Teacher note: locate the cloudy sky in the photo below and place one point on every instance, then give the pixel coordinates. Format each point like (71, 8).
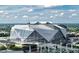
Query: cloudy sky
(35, 13)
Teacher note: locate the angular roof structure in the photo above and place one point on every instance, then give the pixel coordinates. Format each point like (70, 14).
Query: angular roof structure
(46, 31)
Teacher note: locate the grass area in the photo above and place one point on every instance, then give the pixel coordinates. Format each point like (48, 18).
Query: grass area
(2, 47)
(11, 47)
(76, 46)
(74, 29)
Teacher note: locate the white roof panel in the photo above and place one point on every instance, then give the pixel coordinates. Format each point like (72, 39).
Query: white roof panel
(23, 31)
(40, 27)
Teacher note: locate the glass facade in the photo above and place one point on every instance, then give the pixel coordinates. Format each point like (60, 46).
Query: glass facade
(58, 38)
(36, 37)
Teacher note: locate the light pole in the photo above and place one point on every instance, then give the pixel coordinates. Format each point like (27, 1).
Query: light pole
(60, 46)
(72, 43)
(67, 48)
(26, 18)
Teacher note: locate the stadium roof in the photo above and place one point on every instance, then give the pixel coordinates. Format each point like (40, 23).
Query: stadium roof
(23, 31)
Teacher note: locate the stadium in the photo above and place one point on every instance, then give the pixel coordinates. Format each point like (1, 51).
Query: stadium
(34, 34)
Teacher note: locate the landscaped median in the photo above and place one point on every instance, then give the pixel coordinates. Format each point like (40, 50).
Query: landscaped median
(2, 47)
(14, 47)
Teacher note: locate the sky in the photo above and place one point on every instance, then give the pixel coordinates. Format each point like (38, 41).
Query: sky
(39, 13)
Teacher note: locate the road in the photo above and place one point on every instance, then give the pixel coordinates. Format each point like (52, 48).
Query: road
(10, 51)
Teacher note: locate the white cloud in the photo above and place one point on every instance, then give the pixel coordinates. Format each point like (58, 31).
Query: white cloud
(56, 14)
(35, 17)
(72, 10)
(25, 16)
(15, 16)
(41, 14)
(47, 5)
(50, 5)
(1, 11)
(74, 14)
(53, 11)
(30, 10)
(51, 16)
(5, 13)
(8, 16)
(61, 14)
